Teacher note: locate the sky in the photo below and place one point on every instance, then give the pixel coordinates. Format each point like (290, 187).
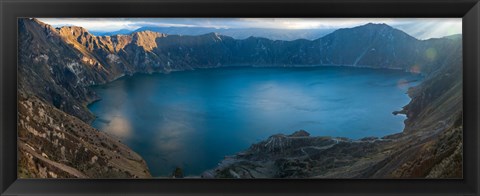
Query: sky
(421, 28)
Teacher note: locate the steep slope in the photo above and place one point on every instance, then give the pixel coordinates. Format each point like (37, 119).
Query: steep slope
(370, 45)
(56, 145)
(55, 70)
(435, 115)
(53, 73)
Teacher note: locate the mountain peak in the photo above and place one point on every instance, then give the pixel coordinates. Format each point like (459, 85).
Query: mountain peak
(148, 33)
(215, 34)
(76, 31)
(146, 39)
(377, 24)
(374, 27)
(38, 21)
(371, 29)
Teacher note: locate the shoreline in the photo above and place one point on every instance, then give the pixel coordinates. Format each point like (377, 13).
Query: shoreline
(126, 76)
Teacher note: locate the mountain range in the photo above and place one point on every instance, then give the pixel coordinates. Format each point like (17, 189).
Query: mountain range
(58, 65)
(236, 33)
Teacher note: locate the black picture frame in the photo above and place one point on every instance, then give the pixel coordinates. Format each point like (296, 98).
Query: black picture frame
(469, 10)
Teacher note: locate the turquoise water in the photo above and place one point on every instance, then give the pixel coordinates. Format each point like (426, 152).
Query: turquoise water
(192, 119)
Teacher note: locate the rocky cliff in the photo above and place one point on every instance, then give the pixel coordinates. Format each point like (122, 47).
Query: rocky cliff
(53, 144)
(57, 66)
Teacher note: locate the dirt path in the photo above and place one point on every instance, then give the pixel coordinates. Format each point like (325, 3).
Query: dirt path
(62, 167)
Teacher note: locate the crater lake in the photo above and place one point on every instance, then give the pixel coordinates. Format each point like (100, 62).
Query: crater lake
(193, 119)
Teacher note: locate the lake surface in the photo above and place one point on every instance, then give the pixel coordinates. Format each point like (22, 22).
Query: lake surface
(192, 119)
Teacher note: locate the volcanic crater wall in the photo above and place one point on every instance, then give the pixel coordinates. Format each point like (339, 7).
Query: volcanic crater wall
(58, 65)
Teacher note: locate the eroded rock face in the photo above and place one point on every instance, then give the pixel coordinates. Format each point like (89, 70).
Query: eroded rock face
(53, 144)
(424, 155)
(295, 156)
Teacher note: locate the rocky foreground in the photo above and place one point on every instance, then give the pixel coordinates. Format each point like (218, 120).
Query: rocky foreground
(301, 156)
(52, 144)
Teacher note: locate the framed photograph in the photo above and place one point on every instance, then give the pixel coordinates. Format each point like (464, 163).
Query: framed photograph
(239, 98)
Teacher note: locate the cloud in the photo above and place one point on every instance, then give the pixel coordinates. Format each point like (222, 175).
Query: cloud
(422, 28)
(93, 24)
(431, 28)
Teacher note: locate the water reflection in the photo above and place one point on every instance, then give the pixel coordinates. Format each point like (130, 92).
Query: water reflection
(193, 119)
(119, 126)
(171, 135)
